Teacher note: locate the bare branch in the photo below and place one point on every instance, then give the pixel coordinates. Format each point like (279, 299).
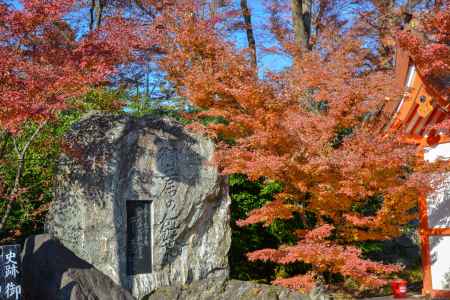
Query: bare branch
(21, 161)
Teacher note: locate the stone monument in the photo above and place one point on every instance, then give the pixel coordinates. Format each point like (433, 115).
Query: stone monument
(140, 200)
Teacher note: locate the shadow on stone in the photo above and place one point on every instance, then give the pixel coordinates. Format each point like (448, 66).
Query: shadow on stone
(51, 271)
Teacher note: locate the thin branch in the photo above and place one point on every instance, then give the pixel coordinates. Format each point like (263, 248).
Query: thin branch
(143, 9)
(100, 8)
(21, 160)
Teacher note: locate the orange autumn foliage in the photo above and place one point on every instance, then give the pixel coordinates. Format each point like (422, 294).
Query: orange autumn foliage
(324, 255)
(428, 44)
(288, 127)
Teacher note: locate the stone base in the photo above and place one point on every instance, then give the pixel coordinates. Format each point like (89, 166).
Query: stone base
(223, 289)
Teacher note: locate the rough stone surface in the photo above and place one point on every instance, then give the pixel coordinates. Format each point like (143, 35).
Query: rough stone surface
(114, 159)
(51, 271)
(223, 289)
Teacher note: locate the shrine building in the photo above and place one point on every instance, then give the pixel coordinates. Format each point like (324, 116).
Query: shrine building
(426, 102)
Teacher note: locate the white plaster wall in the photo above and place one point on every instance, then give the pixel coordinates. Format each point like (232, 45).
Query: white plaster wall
(438, 205)
(440, 151)
(438, 201)
(440, 262)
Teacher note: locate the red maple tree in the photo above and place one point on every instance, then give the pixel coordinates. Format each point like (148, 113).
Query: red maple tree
(45, 65)
(317, 128)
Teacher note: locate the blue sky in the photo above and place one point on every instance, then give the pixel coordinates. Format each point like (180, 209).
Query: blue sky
(266, 62)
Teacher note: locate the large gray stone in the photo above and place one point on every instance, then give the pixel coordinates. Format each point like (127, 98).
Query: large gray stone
(51, 271)
(223, 289)
(114, 159)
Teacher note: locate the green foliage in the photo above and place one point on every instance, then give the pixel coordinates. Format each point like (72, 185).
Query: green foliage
(213, 120)
(103, 99)
(28, 212)
(162, 112)
(341, 134)
(371, 247)
(369, 206)
(247, 195)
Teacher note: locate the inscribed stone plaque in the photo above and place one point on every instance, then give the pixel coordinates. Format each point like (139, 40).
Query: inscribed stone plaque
(10, 276)
(139, 251)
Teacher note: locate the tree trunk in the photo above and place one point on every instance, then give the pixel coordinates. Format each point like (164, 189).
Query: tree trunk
(100, 7)
(301, 18)
(307, 17)
(249, 30)
(96, 14)
(21, 154)
(92, 15)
